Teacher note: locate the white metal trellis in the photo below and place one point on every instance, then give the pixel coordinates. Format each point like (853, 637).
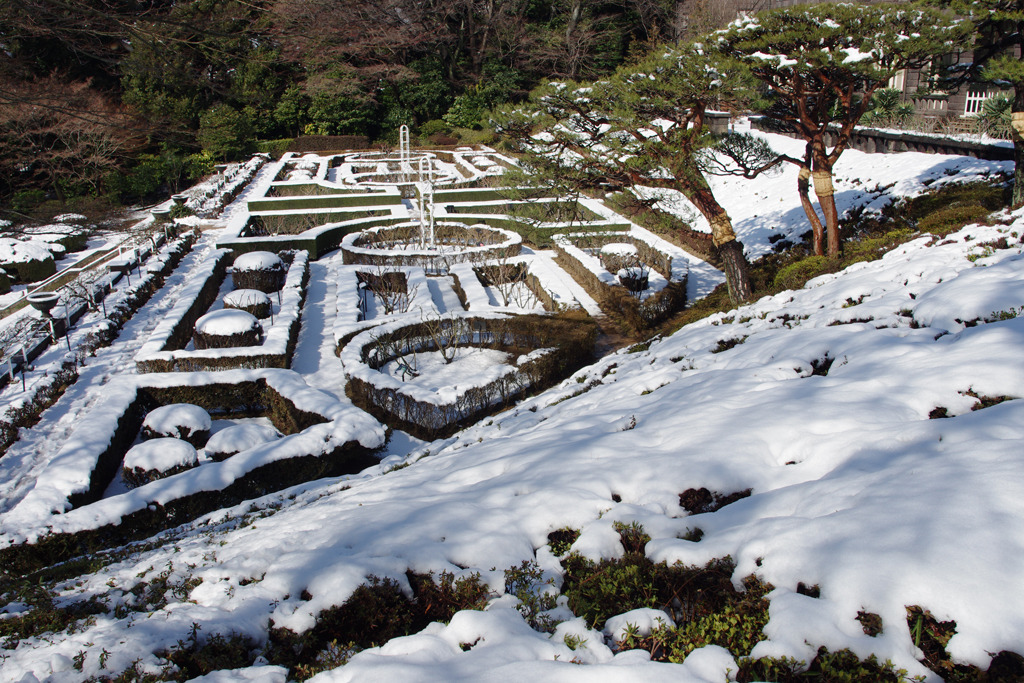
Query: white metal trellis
(403, 144)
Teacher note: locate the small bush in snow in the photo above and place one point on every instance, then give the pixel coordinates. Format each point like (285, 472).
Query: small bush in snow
(260, 270)
(156, 459)
(252, 301)
(180, 421)
(227, 329)
(238, 438)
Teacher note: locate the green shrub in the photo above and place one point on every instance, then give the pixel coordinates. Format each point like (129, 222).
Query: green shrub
(376, 612)
(5, 283)
(835, 667)
(30, 271)
(944, 221)
(275, 148)
(795, 275)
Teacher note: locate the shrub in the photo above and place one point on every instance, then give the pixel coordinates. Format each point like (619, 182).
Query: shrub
(275, 148)
(795, 275)
(179, 421)
(377, 611)
(950, 219)
(227, 329)
(32, 270)
(252, 301)
(156, 459)
(260, 270)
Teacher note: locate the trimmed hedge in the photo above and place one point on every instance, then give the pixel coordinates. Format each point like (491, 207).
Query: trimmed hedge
(313, 190)
(328, 143)
(325, 202)
(371, 247)
(21, 560)
(247, 357)
(30, 271)
(637, 316)
(570, 338)
(260, 225)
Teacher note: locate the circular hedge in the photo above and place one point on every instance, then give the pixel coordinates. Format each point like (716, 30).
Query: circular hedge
(238, 438)
(251, 301)
(156, 459)
(262, 270)
(227, 328)
(399, 245)
(180, 421)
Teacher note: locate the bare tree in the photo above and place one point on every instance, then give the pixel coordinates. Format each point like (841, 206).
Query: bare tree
(446, 334)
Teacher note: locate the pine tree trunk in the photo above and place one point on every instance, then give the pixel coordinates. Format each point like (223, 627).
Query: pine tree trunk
(737, 278)
(803, 188)
(730, 250)
(822, 176)
(1017, 131)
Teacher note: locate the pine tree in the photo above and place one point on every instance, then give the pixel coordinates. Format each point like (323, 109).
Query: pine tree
(998, 49)
(642, 127)
(822, 63)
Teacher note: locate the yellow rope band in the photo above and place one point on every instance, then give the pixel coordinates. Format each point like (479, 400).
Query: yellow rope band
(1017, 123)
(823, 183)
(805, 173)
(721, 229)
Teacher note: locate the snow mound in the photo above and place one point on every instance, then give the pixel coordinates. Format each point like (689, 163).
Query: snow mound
(178, 420)
(245, 298)
(238, 438)
(161, 455)
(258, 260)
(226, 323)
(16, 251)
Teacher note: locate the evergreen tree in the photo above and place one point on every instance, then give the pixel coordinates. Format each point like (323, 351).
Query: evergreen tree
(998, 48)
(643, 127)
(821, 65)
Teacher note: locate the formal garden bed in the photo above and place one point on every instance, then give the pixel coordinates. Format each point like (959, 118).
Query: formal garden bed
(534, 351)
(629, 277)
(78, 503)
(509, 284)
(369, 295)
(168, 348)
(406, 244)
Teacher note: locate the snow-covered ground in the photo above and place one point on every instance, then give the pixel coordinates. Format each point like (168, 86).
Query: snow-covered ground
(854, 488)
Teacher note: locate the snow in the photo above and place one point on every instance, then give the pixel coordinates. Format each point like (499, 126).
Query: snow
(16, 251)
(619, 249)
(161, 455)
(854, 488)
(258, 260)
(447, 381)
(173, 419)
(239, 298)
(238, 438)
(227, 322)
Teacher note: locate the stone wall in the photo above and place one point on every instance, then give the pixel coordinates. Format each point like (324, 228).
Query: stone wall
(885, 142)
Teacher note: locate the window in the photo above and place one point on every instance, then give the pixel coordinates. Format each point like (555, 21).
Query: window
(976, 100)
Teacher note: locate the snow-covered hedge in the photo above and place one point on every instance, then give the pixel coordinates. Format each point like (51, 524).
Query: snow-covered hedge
(65, 514)
(262, 270)
(157, 458)
(26, 261)
(249, 300)
(664, 296)
(165, 352)
(178, 421)
(455, 243)
(549, 349)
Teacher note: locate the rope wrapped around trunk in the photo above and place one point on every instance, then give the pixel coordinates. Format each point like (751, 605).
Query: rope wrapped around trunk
(721, 229)
(823, 183)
